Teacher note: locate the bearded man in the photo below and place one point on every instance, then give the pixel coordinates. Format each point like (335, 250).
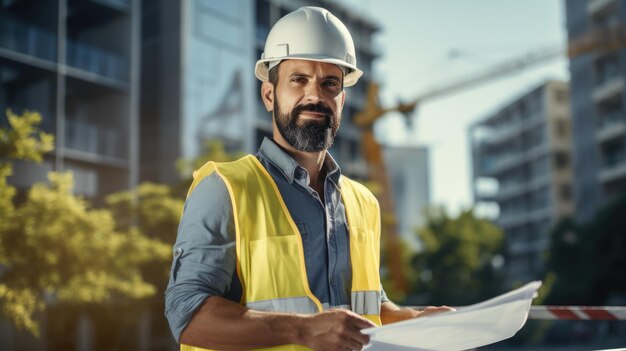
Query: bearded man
(280, 250)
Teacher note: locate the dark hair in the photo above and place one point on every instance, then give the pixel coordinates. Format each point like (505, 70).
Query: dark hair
(272, 76)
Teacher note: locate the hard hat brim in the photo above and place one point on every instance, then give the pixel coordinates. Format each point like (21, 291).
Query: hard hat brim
(261, 70)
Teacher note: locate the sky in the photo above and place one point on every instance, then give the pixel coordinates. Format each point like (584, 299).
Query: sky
(417, 41)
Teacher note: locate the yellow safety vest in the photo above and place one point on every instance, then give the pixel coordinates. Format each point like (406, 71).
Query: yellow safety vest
(272, 277)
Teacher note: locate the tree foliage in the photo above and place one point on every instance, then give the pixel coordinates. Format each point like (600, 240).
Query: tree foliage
(56, 248)
(212, 150)
(588, 260)
(153, 210)
(456, 264)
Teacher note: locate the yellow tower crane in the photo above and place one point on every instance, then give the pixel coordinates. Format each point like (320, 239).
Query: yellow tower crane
(600, 41)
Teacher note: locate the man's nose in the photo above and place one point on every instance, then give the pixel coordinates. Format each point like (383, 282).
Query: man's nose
(312, 92)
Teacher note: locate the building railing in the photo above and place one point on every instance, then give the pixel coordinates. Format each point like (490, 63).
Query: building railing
(30, 40)
(87, 137)
(611, 119)
(115, 3)
(613, 160)
(518, 126)
(606, 75)
(572, 313)
(94, 60)
(27, 39)
(512, 189)
(594, 6)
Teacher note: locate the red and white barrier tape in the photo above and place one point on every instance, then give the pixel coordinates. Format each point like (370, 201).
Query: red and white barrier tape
(579, 313)
(599, 313)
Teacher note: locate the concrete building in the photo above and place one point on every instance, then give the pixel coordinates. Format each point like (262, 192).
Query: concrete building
(408, 170)
(77, 64)
(524, 149)
(597, 104)
(198, 79)
(128, 87)
(63, 62)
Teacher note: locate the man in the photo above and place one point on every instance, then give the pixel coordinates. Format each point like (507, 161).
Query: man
(280, 248)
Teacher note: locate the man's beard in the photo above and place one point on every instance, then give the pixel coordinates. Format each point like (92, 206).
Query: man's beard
(307, 136)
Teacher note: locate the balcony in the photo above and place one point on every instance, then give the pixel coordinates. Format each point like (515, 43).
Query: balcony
(27, 39)
(94, 60)
(510, 220)
(605, 89)
(503, 134)
(514, 159)
(517, 188)
(612, 125)
(116, 4)
(613, 167)
(598, 6)
(97, 142)
(543, 212)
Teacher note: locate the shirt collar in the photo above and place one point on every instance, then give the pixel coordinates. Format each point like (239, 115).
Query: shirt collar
(290, 167)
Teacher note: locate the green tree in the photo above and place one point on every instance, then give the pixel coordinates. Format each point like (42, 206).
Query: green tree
(21, 141)
(54, 246)
(212, 150)
(587, 260)
(153, 210)
(456, 263)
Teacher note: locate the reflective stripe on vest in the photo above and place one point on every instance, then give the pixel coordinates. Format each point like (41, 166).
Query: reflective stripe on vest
(270, 254)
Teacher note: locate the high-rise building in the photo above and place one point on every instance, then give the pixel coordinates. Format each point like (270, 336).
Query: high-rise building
(198, 79)
(597, 104)
(521, 162)
(77, 64)
(128, 87)
(409, 178)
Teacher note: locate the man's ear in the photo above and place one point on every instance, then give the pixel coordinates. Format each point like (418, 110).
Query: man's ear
(267, 95)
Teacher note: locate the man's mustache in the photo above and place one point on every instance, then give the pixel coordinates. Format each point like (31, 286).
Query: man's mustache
(319, 108)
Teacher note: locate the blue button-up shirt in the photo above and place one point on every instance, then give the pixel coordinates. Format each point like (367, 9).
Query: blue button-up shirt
(204, 253)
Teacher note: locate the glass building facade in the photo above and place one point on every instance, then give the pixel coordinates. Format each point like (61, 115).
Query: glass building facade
(128, 87)
(198, 80)
(521, 164)
(598, 115)
(76, 63)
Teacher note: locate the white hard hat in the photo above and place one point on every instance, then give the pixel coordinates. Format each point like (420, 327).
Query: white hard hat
(310, 33)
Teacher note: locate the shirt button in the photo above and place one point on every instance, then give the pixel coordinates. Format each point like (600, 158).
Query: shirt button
(178, 252)
(300, 173)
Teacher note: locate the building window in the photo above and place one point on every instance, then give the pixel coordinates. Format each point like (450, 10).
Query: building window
(562, 129)
(565, 192)
(613, 154)
(610, 112)
(606, 69)
(560, 96)
(561, 160)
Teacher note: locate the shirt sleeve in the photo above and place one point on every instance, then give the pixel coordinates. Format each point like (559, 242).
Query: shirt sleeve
(204, 252)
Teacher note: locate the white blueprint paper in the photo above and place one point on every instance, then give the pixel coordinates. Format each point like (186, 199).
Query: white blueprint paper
(468, 327)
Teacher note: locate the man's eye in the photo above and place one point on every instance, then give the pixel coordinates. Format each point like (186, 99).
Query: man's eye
(331, 83)
(299, 80)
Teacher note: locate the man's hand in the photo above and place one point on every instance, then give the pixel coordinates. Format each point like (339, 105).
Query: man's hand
(390, 313)
(335, 329)
(434, 310)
